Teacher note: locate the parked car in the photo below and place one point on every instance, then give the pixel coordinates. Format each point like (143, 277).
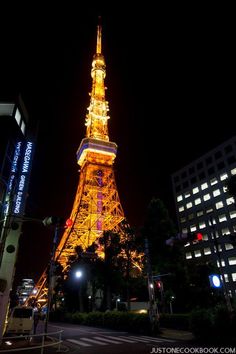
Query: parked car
(20, 321)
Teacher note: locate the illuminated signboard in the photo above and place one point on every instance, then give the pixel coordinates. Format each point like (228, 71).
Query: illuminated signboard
(12, 178)
(21, 190)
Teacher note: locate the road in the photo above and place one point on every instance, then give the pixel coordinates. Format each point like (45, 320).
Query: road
(91, 340)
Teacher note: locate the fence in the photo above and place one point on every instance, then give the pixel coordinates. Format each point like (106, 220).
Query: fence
(41, 345)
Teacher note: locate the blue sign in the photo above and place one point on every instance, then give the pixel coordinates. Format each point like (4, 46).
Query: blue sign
(23, 179)
(215, 281)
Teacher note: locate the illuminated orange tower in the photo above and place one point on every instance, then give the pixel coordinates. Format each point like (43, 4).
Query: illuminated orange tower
(97, 206)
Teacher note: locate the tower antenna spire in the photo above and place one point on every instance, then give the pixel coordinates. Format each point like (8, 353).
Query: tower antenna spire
(99, 36)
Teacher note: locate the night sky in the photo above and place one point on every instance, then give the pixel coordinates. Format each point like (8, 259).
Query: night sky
(170, 79)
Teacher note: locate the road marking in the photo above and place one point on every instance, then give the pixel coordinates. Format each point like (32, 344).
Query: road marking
(108, 340)
(94, 341)
(123, 339)
(139, 339)
(159, 339)
(75, 341)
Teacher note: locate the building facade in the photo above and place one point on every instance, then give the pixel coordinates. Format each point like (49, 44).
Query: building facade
(204, 205)
(16, 154)
(13, 130)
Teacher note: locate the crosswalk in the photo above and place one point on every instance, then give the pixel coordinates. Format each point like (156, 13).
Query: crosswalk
(103, 340)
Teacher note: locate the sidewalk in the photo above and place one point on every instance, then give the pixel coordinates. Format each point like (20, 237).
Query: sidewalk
(176, 334)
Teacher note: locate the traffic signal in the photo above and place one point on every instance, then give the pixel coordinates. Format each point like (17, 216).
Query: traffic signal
(159, 285)
(194, 236)
(183, 238)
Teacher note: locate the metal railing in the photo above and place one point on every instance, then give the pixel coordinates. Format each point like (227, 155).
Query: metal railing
(29, 337)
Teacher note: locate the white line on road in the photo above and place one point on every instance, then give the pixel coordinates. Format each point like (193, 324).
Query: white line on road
(123, 339)
(94, 341)
(108, 340)
(158, 339)
(75, 341)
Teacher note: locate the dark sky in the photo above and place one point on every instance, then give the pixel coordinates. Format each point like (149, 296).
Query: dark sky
(171, 93)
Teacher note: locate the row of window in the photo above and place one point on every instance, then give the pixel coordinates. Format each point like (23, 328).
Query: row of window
(202, 175)
(205, 185)
(218, 205)
(223, 232)
(198, 253)
(205, 198)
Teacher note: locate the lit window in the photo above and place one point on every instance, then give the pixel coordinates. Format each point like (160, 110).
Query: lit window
(225, 231)
(222, 264)
(223, 177)
(205, 237)
(188, 255)
(232, 214)
(193, 228)
(213, 181)
(232, 260)
(226, 276)
(184, 231)
(230, 200)
(225, 189)
(197, 253)
(18, 116)
(204, 186)
(186, 195)
(228, 246)
(222, 218)
(216, 192)
(181, 208)
(197, 201)
(206, 197)
(233, 171)
(202, 225)
(23, 127)
(219, 205)
(195, 190)
(210, 210)
(207, 251)
(179, 198)
(189, 205)
(234, 276)
(219, 248)
(200, 213)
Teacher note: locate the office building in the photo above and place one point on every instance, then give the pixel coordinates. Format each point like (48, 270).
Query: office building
(204, 205)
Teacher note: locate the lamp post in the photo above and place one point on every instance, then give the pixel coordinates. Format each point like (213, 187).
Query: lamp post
(78, 275)
(153, 313)
(117, 301)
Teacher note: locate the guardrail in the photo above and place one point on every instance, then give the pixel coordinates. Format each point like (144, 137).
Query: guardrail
(30, 336)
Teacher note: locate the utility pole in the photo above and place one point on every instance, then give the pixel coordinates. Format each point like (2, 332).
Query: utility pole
(153, 313)
(49, 221)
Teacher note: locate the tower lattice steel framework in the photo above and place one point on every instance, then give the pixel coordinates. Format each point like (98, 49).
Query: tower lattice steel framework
(97, 206)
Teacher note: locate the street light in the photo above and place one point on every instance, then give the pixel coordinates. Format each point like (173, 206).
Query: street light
(78, 275)
(117, 301)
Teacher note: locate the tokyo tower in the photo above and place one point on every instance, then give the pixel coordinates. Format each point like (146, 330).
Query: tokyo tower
(97, 206)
